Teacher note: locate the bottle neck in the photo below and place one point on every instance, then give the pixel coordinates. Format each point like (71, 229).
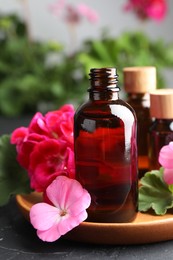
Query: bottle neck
(163, 120)
(103, 95)
(103, 84)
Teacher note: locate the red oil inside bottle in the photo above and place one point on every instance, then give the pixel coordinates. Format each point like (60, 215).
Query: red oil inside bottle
(106, 157)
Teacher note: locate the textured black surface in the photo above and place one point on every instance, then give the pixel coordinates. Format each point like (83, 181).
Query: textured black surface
(18, 240)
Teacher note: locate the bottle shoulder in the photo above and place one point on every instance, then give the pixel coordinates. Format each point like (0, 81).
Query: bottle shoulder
(162, 125)
(139, 104)
(103, 109)
(96, 105)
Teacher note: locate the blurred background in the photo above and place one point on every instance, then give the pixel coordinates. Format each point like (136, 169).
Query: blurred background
(48, 46)
(111, 16)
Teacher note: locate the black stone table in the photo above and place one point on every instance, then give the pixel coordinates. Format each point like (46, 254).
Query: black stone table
(18, 240)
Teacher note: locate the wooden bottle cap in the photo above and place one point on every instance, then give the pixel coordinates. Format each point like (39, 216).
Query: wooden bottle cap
(161, 104)
(139, 79)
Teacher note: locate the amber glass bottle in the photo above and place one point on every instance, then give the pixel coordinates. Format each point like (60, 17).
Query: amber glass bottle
(138, 82)
(106, 150)
(161, 130)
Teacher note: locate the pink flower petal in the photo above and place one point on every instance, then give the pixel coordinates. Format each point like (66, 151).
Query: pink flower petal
(50, 235)
(158, 10)
(27, 147)
(171, 145)
(147, 9)
(79, 205)
(42, 177)
(68, 193)
(18, 135)
(71, 222)
(60, 123)
(89, 13)
(38, 125)
(168, 176)
(166, 156)
(67, 108)
(49, 157)
(43, 216)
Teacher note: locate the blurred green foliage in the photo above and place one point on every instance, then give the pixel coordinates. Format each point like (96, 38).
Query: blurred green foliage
(30, 80)
(129, 49)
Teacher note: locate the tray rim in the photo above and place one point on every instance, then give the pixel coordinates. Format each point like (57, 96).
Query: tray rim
(146, 228)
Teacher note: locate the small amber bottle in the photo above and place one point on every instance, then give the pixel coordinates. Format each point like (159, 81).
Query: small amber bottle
(106, 150)
(161, 130)
(138, 82)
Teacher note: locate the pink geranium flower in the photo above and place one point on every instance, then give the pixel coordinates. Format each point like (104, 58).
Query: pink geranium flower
(166, 160)
(69, 203)
(45, 148)
(148, 9)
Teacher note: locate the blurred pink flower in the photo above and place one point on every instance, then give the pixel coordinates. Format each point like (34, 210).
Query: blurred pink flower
(69, 203)
(57, 7)
(148, 9)
(89, 13)
(166, 161)
(73, 14)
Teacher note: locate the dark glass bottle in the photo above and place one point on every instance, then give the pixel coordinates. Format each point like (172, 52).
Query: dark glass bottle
(161, 130)
(106, 150)
(138, 82)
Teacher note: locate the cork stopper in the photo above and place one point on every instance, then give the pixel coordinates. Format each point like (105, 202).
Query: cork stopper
(161, 104)
(139, 79)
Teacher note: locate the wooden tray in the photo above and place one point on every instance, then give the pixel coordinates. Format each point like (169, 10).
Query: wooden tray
(146, 228)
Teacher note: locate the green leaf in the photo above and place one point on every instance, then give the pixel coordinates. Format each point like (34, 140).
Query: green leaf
(170, 188)
(90, 62)
(101, 51)
(154, 193)
(13, 178)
